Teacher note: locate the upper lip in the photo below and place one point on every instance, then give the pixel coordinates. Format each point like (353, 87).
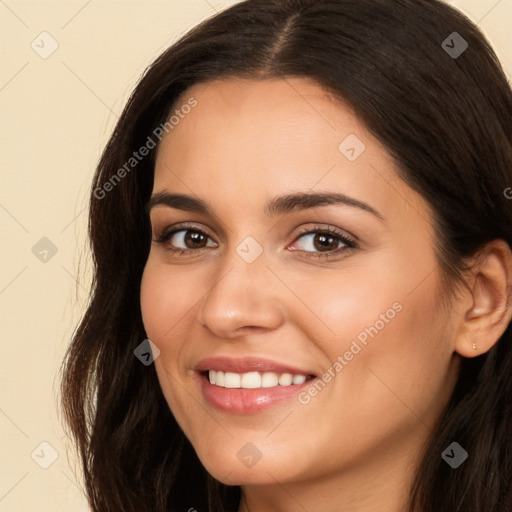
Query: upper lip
(247, 364)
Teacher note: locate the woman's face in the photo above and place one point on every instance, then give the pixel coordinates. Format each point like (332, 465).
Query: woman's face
(258, 291)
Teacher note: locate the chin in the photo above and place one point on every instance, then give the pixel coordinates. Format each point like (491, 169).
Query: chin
(246, 466)
(228, 475)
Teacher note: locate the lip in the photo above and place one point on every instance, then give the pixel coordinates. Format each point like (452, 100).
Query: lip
(247, 401)
(248, 364)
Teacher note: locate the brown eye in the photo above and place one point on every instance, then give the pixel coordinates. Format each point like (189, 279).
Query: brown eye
(325, 240)
(185, 239)
(322, 242)
(194, 239)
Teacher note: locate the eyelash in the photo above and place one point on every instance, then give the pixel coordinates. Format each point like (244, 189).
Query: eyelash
(340, 237)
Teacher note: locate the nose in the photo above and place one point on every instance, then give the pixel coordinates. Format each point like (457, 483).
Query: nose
(243, 297)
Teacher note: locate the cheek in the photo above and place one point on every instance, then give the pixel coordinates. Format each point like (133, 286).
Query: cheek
(154, 301)
(403, 369)
(387, 300)
(338, 307)
(393, 336)
(163, 301)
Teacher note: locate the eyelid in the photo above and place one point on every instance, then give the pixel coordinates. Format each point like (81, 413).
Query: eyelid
(338, 232)
(171, 230)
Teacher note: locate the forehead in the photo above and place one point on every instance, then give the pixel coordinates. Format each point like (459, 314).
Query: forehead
(280, 111)
(248, 140)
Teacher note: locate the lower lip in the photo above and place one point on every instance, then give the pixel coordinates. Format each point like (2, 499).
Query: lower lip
(248, 401)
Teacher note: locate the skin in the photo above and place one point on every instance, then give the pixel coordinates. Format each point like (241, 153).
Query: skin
(355, 445)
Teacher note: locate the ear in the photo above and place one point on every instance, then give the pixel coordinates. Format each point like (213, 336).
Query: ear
(490, 300)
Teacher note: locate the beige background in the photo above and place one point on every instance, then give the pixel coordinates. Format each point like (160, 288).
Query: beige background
(57, 114)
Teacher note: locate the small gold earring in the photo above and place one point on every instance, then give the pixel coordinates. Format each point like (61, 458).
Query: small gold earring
(474, 346)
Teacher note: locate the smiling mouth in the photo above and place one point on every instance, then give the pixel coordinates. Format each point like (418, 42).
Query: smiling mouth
(254, 380)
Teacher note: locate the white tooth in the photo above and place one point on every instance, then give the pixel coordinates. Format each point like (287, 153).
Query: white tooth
(269, 380)
(219, 378)
(285, 379)
(231, 380)
(250, 380)
(253, 380)
(299, 379)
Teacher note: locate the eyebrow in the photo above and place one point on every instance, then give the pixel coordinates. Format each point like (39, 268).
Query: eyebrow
(278, 205)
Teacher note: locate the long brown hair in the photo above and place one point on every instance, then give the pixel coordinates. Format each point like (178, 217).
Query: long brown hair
(445, 118)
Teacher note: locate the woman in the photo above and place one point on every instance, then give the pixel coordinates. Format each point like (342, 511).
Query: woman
(304, 207)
